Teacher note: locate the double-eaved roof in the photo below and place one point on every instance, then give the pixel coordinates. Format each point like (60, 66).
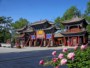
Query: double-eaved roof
(41, 22)
(38, 26)
(73, 20)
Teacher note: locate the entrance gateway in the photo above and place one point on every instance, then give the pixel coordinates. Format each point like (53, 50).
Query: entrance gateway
(40, 37)
(44, 39)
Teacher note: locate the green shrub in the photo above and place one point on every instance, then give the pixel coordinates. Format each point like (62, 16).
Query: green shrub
(79, 58)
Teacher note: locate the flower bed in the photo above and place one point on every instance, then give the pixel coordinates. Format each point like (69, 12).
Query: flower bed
(79, 57)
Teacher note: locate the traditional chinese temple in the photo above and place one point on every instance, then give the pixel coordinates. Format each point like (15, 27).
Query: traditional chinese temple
(74, 32)
(40, 33)
(45, 33)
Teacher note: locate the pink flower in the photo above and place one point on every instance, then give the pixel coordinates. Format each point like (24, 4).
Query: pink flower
(83, 47)
(41, 62)
(75, 47)
(55, 60)
(71, 55)
(60, 56)
(54, 53)
(57, 67)
(65, 50)
(63, 61)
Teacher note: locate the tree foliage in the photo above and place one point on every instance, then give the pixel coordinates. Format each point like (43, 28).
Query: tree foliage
(87, 12)
(20, 23)
(87, 15)
(5, 26)
(58, 22)
(72, 11)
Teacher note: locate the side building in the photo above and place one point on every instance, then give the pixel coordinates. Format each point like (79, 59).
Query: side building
(74, 32)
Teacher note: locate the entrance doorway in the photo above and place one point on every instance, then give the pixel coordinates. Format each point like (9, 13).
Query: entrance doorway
(39, 42)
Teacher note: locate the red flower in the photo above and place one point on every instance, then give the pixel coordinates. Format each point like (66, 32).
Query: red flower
(54, 53)
(60, 56)
(76, 47)
(63, 61)
(65, 50)
(41, 62)
(83, 47)
(55, 60)
(71, 55)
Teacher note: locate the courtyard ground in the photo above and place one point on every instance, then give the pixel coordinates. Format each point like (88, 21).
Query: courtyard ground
(27, 57)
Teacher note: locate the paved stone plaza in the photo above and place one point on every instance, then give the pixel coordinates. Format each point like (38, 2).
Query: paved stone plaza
(27, 57)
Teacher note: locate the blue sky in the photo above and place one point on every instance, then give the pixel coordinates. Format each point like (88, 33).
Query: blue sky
(35, 10)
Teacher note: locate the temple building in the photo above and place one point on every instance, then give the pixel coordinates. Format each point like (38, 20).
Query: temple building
(74, 32)
(46, 33)
(40, 33)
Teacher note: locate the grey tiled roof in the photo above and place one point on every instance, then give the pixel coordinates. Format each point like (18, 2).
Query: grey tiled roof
(49, 27)
(41, 22)
(38, 22)
(74, 19)
(29, 29)
(58, 35)
(21, 28)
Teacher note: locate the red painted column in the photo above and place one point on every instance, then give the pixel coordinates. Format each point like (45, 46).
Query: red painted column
(83, 39)
(64, 41)
(78, 40)
(53, 37)
(68, 42)
(72, 41)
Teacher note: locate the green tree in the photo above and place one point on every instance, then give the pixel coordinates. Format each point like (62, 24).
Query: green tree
(20, 23)
(87, 15)
(72, 11)
(88, 28)
(87, 12)
(58, 22)
(5, 26)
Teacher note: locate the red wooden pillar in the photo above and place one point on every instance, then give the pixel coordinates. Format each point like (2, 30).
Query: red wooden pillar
(83, 39)
(52, 37)
(72, 41)
(35, 35)
(78, 40)
(69, 42)
(44, 36)
(64, 41)
(53, 40)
